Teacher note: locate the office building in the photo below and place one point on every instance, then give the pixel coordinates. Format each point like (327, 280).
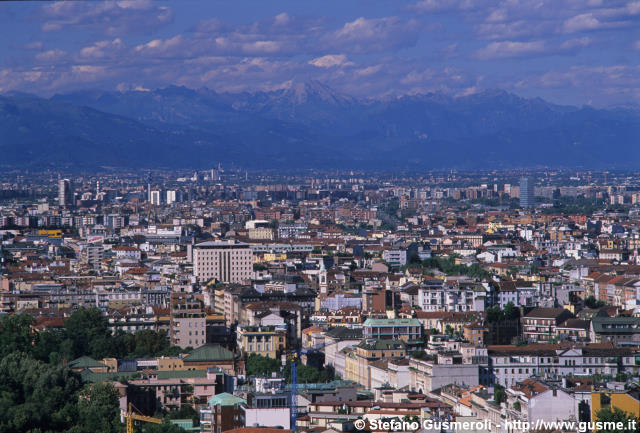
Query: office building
(226, 261)
(65, 193)
(155, 198)
(171, 196)
(527, 198)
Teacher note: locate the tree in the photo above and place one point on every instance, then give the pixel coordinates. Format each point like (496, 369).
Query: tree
(258, 365)
(186, 411)
(517, 406)
(419, 354)
(145, 343)
(86, 332)
(99, 409)
(88, 329)
(494, 314)
(610, 418)
(511, 312)
(165, 427)
(591, 302)
(35, 395)
(414, 258)
(499, 394)
(50, 346)
(621, 377)
(308, 374)
(15, 334)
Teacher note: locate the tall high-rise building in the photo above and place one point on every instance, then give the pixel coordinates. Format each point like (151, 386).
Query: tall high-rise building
(155, 198)
(527, 198)
(149, 187)
(65, 193)
(228, 262)
(171, 196)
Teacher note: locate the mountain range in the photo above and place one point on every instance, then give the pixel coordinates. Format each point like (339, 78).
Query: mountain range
(310, 125)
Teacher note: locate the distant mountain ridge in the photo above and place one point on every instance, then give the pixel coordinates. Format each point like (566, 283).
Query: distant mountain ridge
(308, 124)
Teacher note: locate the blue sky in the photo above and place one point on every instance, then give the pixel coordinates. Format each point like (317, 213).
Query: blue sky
(566, 51)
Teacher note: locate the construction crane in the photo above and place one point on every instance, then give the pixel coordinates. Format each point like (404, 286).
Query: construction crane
(292, 358)
(130, 416)
(294, 395)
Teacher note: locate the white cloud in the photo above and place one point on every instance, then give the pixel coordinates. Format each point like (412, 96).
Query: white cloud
(161, 48)
(589, 22)
(102, 49)
(87, 69)
(34, 46)
(613, 79)
(510, 49)
(262, 47)
(282, 19)
(110, 17)
(368, 35)
(434, 6)
(54, 55)
(507, 49)
(369, 70)
(581, 22)
(571, 44)
(331, 60)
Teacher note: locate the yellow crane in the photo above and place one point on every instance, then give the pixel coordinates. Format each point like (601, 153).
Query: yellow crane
(131, 415)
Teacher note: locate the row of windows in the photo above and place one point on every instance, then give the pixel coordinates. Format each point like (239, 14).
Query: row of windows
(555, 361)
(546, 370)
(195, 333)
(267, 347)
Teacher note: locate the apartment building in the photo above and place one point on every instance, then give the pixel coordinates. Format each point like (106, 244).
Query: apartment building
(540, 324)
(224, 412)
(511, 364)
(615, 329)
(225, 261)
(392, 329)
(359, 361)
(455, 298)
(188, 320)
(269, 341)
(445, 368)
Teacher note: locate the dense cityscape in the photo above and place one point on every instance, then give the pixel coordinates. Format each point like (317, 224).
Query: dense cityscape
(375, 216)
(226, 299)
